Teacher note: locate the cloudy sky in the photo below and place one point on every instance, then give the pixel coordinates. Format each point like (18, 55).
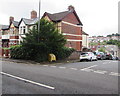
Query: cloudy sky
(99, 17)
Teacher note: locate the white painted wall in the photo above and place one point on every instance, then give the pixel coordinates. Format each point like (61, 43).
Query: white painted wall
(5, 37)
(21, 34)
(85, 41)
(21, 30)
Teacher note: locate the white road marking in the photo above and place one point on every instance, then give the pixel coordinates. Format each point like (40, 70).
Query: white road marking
(29, 81)
(105, 63)
(87, 70)
(100, 71)
(114, 74)
(74, 68)
(45, 65)
(114, 61)
(89, 67)
(62, 67)
(53, 66)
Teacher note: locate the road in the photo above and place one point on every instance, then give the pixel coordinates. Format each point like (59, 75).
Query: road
(96, 77)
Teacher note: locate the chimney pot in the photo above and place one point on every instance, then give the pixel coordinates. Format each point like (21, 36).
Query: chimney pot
(71, 8)
(33, 14)
(11, 19)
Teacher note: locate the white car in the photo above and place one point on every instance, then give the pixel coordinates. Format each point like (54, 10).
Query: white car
(88, 56)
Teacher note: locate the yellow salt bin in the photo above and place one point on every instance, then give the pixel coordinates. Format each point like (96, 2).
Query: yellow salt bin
(51, 57)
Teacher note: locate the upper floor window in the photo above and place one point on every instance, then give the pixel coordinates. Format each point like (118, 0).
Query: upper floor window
(22, 29)
(11, 30)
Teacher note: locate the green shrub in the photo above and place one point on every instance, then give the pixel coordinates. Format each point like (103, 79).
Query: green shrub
(63, 53)
(6, 48)
(20, 52)
(41, 57)
(30, 52)
(16, 52)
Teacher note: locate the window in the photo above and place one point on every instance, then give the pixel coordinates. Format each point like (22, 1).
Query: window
(11, 30)
(24, 30)
(20, 30)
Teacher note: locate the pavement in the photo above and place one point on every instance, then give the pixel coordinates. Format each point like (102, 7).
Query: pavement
(42, 63)
(97, 77)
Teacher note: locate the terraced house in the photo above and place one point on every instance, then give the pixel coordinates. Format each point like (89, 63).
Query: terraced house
(67, 22)
(10, 33)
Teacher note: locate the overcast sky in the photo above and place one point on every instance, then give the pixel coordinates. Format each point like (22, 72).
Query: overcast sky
(99, 17)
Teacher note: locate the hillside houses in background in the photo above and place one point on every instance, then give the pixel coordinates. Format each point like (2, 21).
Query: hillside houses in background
(97, 42)
(104, 38)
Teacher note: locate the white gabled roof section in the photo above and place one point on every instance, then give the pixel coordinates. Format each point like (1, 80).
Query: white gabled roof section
(22, 23)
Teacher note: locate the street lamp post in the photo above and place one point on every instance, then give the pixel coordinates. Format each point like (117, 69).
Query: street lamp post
(39, 20)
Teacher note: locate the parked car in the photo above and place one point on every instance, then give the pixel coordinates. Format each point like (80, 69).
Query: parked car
(90, 56)
(109, 57)
(114, 57)
(117, 58)
(101, 55)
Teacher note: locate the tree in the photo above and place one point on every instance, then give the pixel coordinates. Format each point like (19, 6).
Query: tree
(47, 40)
(114, 42)
(37, 45)
(102, 49)
(100, 36)
(109, 35)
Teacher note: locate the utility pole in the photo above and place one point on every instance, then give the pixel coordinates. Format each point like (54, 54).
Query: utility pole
(39, 20)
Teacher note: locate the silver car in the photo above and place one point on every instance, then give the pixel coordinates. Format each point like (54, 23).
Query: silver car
(90, 56)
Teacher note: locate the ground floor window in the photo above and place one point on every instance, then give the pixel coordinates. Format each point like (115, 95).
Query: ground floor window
(5, 43)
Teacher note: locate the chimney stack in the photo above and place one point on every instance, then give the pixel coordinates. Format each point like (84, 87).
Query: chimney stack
(11, 19)
(71, 8)
(33, 14)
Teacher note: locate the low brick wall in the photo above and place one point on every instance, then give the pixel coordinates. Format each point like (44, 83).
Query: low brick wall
(1, 52)
(74, 56)
(4, 53)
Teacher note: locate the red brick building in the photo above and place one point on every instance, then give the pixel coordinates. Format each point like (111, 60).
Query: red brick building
(69, 25)
(10, 33)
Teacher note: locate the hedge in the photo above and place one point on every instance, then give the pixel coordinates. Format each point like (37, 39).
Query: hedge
(20, 52)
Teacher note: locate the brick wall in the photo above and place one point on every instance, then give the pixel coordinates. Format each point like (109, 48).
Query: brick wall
(66, 28)
(73, 37)
(14, 37)
(72, 31)
(71, 18)
(74, 56)
(75, 45)
(0, 52)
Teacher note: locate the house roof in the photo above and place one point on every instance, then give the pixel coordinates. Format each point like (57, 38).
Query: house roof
(4, 27)
(29, 21)
(84, 33)
(35, 20)
(15, 23)
(56, 17)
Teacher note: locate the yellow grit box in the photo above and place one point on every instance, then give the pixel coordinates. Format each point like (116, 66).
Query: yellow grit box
(51, 57)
